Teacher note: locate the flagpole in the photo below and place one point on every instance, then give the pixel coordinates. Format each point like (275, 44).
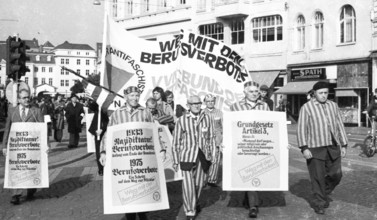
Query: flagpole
(103, 59)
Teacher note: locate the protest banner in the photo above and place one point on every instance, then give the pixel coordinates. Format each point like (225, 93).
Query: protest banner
(26, 163)
(166, 154)
(91, 145)
(134, 179)
(189, 64)
(256, 151)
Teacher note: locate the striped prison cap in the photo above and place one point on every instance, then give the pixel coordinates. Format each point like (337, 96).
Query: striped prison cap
(131, 89)
(251, 83)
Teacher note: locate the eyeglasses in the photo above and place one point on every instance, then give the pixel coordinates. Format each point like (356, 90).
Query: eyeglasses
(26, 97)
(196, 103)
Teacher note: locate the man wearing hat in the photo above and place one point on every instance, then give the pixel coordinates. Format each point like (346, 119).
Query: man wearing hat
(217, 121)
(264, 96)
(251, 102)
(322, 140)
(74, 112)
(132, 111)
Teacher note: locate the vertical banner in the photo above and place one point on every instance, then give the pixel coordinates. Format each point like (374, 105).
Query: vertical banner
(134, 179)
(166, 154)
(256, 151)
(91, 145)
(26, 163)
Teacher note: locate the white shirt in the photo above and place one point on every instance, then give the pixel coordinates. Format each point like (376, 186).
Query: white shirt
(26, 110)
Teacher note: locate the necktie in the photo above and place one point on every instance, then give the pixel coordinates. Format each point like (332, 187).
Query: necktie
(23, 115)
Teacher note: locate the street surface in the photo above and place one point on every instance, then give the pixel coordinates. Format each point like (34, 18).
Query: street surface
(76, 190)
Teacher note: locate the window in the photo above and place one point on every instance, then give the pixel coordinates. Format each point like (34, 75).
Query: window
(69, 52)
(161, 4)
(347, 25)
(78, 71)
(62, 82)
(300, 33)
(115, 8)
(48, 58)
(66, 82)
(43, 80)
(78, 52)
(129, 7)
(238, 31)
(67, 61)
(78, 61)
(215, 30)
(145, 6)
(61, 72)
(87, 72)
(62, 61)
(87, 62)
(35, 81)
(87, 53)
(181, 2)
(50, 81)
(66, 72)
(37, 58)
(318, 30)
(50, 69)
(27, 80)
(43, 69)
(269, 28)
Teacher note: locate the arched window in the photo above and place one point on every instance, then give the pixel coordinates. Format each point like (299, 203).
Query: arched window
(318, 30)
(300, 33)
(347, 24)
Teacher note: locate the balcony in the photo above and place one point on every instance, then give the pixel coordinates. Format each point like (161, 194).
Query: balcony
(231, 8)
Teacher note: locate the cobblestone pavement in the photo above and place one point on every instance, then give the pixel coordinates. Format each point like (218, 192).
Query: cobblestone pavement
(75, 191)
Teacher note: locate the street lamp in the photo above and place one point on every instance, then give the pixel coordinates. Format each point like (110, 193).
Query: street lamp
(96, 2)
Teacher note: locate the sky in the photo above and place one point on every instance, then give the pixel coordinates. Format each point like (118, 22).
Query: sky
(75, 21)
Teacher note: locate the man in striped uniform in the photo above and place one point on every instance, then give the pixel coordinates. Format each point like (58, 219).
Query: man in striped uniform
(251, 102)
(217, 122)
(323, 140)
(192, 150)
(132, 111)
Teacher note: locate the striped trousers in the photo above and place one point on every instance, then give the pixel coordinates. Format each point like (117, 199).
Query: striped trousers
(214, 168)
(192, 185)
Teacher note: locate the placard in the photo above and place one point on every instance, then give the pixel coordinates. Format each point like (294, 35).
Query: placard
(256, 151)
(166, 154)
(26, 163)
(134, 179)
(91, 145)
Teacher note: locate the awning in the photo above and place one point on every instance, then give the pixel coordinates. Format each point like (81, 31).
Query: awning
(346, 93)
(264, 77)
(296, 88)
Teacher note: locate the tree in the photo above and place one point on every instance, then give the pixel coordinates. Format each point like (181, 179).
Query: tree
(94, 78)
(77, 88)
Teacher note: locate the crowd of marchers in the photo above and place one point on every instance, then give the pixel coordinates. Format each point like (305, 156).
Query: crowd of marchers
(197, 130)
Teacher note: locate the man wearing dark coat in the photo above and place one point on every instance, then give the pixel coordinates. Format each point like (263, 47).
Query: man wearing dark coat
(74, 112)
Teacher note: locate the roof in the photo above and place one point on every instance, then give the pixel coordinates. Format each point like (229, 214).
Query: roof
(42, 58)
(70, 46)
(32, 43)
(48, 44)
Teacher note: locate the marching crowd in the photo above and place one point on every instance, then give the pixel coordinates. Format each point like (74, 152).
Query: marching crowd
(197, 136)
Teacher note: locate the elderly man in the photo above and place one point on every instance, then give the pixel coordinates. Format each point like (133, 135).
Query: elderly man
(251, 102)
(217, 121)
(22, 113)
(192, 149)
(157, 114)
(322, 140)
(132, 111)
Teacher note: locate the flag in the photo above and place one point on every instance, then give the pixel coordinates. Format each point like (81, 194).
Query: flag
(103, 97)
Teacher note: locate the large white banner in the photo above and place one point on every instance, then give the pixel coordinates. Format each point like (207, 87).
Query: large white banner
(256, 151)
(26, 163)
(134, 179)
(189, 64)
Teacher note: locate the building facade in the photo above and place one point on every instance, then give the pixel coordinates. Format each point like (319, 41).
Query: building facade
(77, 57)
(287, 44)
